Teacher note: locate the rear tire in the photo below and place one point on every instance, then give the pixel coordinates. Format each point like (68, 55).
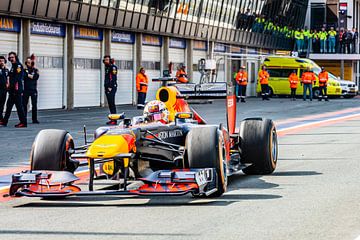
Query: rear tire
(205, 149)
(50, 151)
(258, 145)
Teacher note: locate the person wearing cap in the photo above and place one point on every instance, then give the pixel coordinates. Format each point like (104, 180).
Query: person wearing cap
(181, 75)
(142, 82)
(293, 80)
(264, 82)
(4, 84)
(242, 80)
(110, 85)
(323, 80)
(308, 78)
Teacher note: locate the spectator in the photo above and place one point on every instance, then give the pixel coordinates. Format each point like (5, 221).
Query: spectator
(323, 37)
(307, 37)
(4, 85)
(30, 87)
(342, 40)
(315, 41)
(337, 40)
(332, 40)
(15, 92)
(355, 40)
(299, 39)
(142, 82)
(348, 41)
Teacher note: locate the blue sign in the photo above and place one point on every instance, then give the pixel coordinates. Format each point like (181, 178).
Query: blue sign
(88, 33)
(10, 24)
(45, 28)
(177, 43)
(122, 37)
(152, 40)
(219, 47)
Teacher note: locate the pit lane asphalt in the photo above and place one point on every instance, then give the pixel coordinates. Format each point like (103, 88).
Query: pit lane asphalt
(314, 193)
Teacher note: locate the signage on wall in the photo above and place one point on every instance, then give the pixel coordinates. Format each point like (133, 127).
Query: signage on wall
(200, 45)
(123, 37)
(236, 49)
(151, 40)
(219, 47)
(10, 24)
(177, 43)
(88, 33)
(45, 28)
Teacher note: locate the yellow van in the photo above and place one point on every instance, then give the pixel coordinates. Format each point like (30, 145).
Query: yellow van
(281, 67)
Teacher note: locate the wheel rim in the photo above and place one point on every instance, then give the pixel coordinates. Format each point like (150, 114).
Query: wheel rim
(274, 146)
(223, 165)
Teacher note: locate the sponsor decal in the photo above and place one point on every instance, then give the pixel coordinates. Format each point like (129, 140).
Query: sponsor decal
(44, 28)
(170, 134)
(219, 47)
(122, 37)
(9, 24)
(177, 43)
(88, 33)
(200, 45)
(230, 102)
(152, 40)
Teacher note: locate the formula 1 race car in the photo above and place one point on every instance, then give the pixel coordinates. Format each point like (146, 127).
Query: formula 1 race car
(170, 150)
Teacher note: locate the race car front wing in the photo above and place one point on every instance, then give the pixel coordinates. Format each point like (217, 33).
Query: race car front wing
(58, 184)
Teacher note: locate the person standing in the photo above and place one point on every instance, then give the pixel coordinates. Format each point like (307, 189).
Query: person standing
(323, 80)
(31, 77)
(264, 82)
(307, 37)
(142, 82)
(315, 42)
(323, 37)
(299, 40)
(308, 78)
(4, 84)
(16, 76)
(110, 85)
(332, 40)
(342, 41)
(348, 41)
(181, 75)
(293, 80)
(242, 80)
(355, 40)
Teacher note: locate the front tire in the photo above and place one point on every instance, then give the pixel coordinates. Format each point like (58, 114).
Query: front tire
(258, 146)
(50, 151)
(205, 148)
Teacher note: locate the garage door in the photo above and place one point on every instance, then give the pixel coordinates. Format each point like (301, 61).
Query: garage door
(9, 35)
(220, 61)
(151, 61)
(177, 55)
(124, 58)
(49, 52)
(87, 74)
(197, 55)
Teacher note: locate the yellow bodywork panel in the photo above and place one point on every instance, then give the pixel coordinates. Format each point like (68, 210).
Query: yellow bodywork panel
(108, 146)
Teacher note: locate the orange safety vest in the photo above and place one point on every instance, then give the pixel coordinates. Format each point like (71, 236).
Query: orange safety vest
(293, 80)
(308, 78)
(142, 82)
(323, 78)
(264, 77)
(181, 76)
(242, 78)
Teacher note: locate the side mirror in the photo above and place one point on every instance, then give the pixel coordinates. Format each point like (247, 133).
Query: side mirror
(115, 117)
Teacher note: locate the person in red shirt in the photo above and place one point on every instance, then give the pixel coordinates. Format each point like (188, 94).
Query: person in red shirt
(308, 78)
(264, 81)
(293, 80)
(242, 80)
(181, 75)
(323, 80)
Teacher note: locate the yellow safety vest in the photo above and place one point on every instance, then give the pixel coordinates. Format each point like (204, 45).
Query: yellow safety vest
(332, 33)
(323, 35)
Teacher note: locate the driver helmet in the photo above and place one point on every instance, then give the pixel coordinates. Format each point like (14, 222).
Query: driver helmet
(156, 111)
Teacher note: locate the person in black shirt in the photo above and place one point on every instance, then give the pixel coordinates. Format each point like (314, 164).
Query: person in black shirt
(30, 87)
(15, 92)
(110, 85)
(4, 84)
